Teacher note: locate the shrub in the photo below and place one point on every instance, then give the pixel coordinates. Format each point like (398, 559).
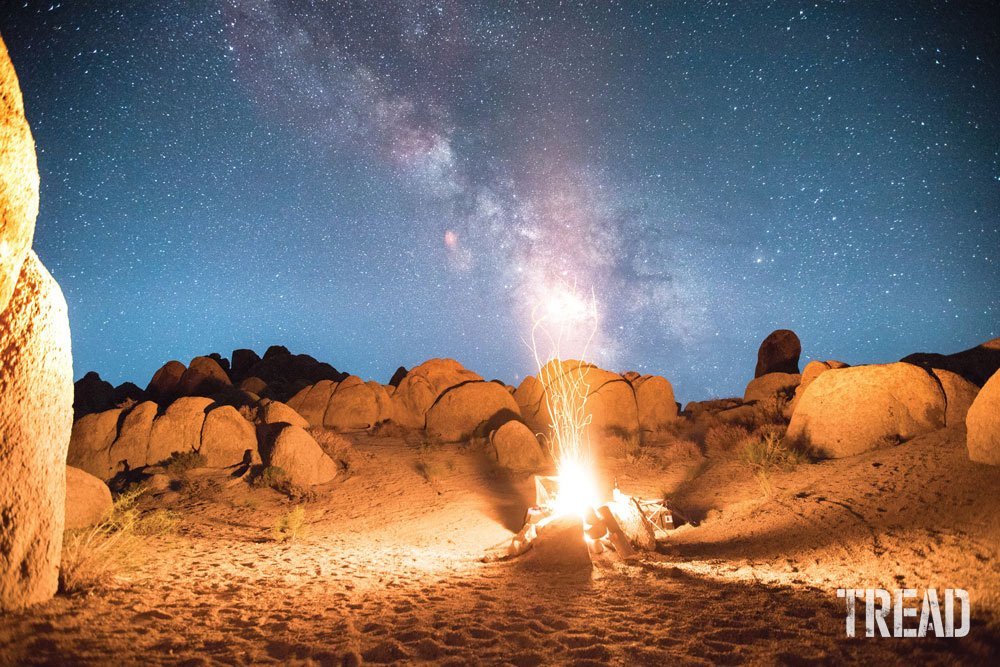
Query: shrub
(290, 525)
(387, 428)
(767, 453)
(336, 446)
(725, 437)
(94, 556)
(270, 477)
(179, 463)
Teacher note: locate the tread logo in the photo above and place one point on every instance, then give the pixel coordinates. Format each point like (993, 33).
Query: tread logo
(879, 603)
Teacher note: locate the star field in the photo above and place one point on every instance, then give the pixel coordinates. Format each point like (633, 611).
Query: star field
(380, 183)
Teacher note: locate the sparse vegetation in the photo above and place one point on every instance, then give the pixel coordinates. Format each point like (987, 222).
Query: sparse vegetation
(724, 437)
(290, 525)
(387, 428)
(179, 463)
(94, 556)
(336, 446)
(766, 453)
(269, 477)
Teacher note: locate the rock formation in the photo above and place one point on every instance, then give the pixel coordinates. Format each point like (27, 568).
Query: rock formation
(812, 371)
(654, 398)
(515, 447)
(772, 385)
(36, 374)
(983, 423)
(470, 409)
(88, 499)
(422, 386)
(779, 353)
(977, 364)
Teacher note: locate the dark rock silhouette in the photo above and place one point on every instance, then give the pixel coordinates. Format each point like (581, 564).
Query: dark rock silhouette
(398, 376)
(243, 361)
(779, 353)
(977, 364)
(92, 394)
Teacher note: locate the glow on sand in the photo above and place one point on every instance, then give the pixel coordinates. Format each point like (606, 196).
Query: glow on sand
(565, 314)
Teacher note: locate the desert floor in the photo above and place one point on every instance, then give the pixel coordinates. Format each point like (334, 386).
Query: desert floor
(388, 569)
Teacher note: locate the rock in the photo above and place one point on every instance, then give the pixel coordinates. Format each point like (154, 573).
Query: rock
(699, 408)
(983, 424)
(128, 392)
(610, 401)
(516, 448)
(772, 385)
(276, 412)
(226, 438)
(92, 394)
(88, 499)
(312, 401)
(353, 406)
(383, 400)
(530, 399)
(222, 361)
(654, 398)
(848, 411)
(36, 392)
(812, 371)
(631, 376)
(630, 519)
(130, 449)
(280, 366)
(398, 376)
(157, 482)
(163, 387)
(472, 408)
(178, 429)
(243, 361)
(559, 547)
(276, 351)
(254, 385)
(959, 395)
(423, 385)
(977, 364)
(779, 353)
(90, 442)
(296, 452)
(203, 377)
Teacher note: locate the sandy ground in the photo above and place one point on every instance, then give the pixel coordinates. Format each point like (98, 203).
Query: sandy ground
(389, 569)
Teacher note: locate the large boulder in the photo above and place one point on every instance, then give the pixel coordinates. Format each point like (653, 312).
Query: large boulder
(296, 452)
(959, 394)
(130, 450)
(848, 411)
(812, 371)
(610, 400)
(88, 499)
(163, 387)
(977, 364)
(226, 438)
(90, 442)
(423, 385)
(516, 448)
(779, 353)
(772, 385)
(470, 409)
(286, 373)
(243, 361)
(203, 377)
(983, 423)
(654, 398)
(253, 385)
(312, 401)
(276, 412)
(530, 399)
(354, 406)
(178, 429)
(36, 407)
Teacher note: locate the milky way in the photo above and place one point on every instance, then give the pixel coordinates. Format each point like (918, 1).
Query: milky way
(380, 183)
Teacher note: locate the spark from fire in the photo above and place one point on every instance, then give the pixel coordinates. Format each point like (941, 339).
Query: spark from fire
(566, 313)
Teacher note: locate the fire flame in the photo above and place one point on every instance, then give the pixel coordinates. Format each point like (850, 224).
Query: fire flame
(564, 313)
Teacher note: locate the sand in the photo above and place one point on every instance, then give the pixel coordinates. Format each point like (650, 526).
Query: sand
(389, 571)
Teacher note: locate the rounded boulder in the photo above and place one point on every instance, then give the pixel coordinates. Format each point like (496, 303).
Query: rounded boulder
(983, 424)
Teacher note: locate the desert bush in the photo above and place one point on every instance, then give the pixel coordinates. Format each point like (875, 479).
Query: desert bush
(770, 410)
(290, 525)
(269, 477)
(387, 428)
(336, 446)
(724, 437)
(250, 412)
(767, 453)
(94, 556)
(179, 463)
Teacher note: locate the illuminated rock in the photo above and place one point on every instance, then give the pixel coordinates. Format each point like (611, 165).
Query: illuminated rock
(178, 429)
(530, 399)
(296, 452)
(516, 448)
(312, 401)
(772, 385)
(162, 388)
(959, 395)
(812, 371)
(203, 377)
(90, 442)
(778, 353)
(470, 409)
(131, 449)
(983, 423)
(423, 385)
(848, 411)
(36, 420)
(88, 499)
(226, 438)
(276, 412)
(353, 406)
(654, 398)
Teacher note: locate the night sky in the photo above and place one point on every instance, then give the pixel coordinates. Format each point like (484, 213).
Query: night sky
(380, 183)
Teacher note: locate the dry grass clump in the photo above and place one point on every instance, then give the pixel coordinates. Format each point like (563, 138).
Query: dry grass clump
(337, 447)
(94, 556)
(290, 525)
(767, 453)
(387, 428)
(723, 438)
(179, 463)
